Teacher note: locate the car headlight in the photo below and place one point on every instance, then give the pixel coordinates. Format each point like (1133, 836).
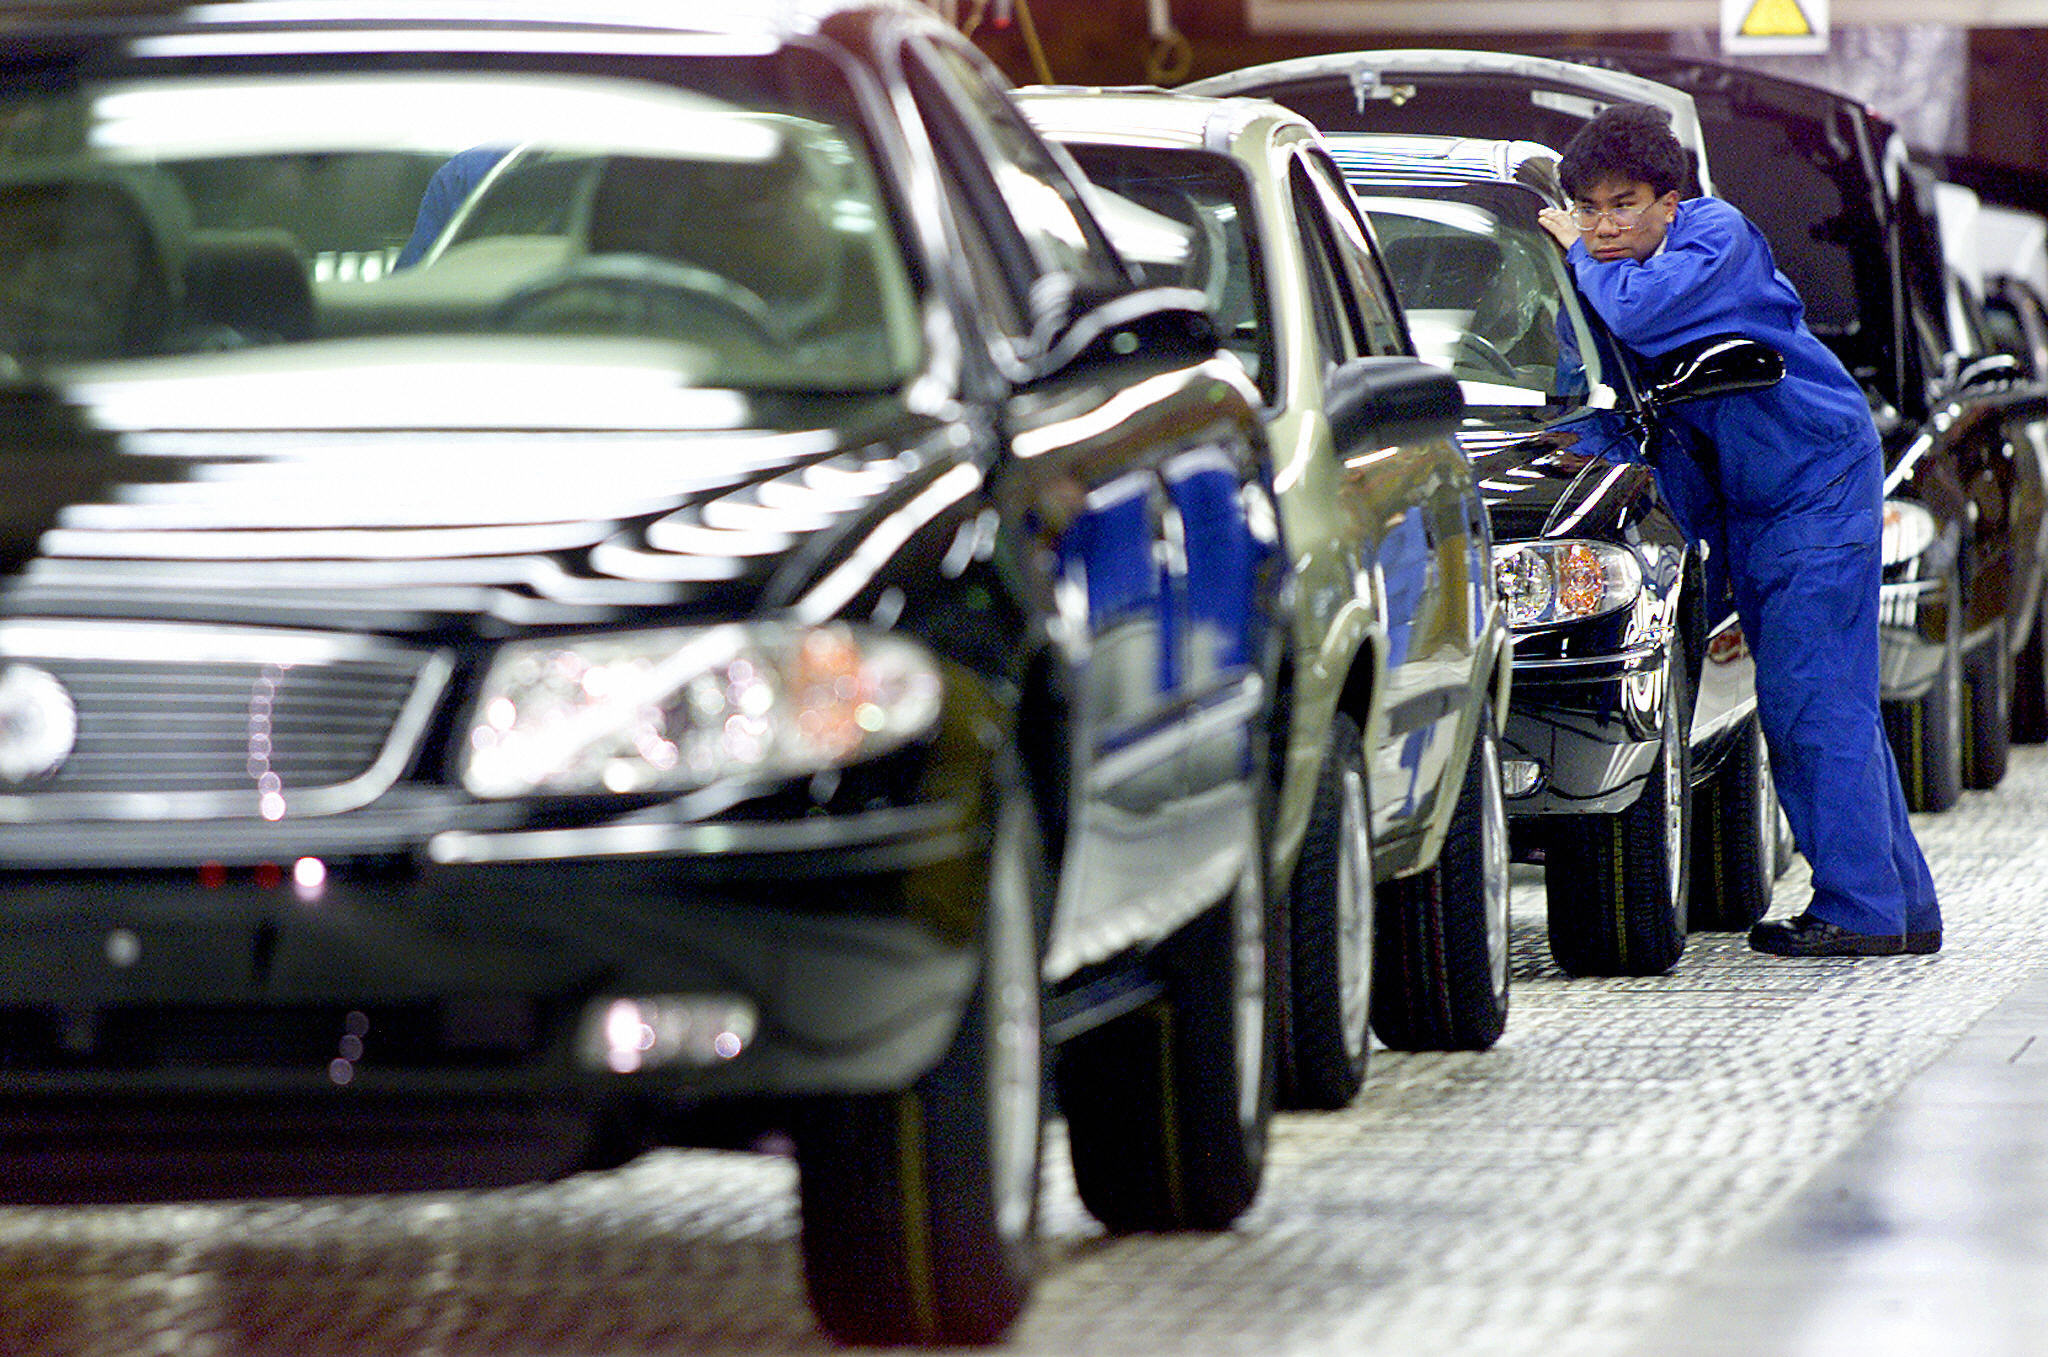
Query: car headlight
(670, 710)
(1543, 582)
(1908, 530)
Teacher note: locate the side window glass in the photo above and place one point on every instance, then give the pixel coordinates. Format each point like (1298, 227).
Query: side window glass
(1383, 329)
(1331, 301)
(1034, 184)
(996, 254)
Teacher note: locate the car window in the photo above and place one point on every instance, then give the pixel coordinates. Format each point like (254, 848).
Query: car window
(1181, 218)
(1383, 331)
(1810, 188)
(1331, 301)
(1048, 207)
(1487, 296)
(733, 221)
(1968, 325)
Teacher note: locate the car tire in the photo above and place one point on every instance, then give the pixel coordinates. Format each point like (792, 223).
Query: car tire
(1618, 884)
(1927, 731)
(1987, 712)
(1168, 1107)
(1735, 839)
(2030, 678)
(1440, 976)
(1787, 845)
(1330, 922)
(920, 1209)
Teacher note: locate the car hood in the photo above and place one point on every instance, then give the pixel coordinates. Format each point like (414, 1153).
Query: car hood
(1573, 478)
(428, 499)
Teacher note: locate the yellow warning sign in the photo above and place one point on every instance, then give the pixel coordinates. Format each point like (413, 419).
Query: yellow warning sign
(1774, 26)
(1775, 19)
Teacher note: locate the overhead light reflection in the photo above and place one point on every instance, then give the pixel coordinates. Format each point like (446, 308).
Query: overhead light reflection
(434, 115)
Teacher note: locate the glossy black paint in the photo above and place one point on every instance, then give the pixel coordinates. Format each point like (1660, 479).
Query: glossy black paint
(1589, 694)
(1065, 508)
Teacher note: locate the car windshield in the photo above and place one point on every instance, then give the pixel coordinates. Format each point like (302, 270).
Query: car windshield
(1183, 217)
(743, 238)
(1486, 294)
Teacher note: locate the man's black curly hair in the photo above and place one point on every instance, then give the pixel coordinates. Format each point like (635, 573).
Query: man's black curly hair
(1625, 141)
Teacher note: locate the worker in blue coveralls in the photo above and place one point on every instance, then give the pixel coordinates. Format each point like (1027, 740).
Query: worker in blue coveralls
(1792, 504)
(452, 182)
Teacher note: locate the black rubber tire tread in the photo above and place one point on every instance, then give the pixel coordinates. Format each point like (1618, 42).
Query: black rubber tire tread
(2030, 679)
(1987, 712)
(1604, 875)
(1433, 984)
(1924, 741)
(901, 1240)
(1735, 839)
(1151, 1098)
(1323, 1066)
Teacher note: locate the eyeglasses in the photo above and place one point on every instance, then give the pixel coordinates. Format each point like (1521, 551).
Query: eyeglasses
(1624, 218)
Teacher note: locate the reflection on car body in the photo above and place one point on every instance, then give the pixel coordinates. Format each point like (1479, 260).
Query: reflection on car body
(592, 689)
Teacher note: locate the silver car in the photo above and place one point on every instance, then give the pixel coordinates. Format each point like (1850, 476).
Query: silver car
(1401, 653)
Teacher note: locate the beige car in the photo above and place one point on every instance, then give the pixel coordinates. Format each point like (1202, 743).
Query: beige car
(1401, 655)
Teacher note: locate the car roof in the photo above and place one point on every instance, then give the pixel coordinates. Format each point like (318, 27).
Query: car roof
(1149, 115)
(1424, 161)
(1554, 83)
(760, 17)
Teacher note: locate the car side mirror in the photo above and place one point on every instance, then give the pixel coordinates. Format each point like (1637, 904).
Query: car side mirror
(1382, 401)
(1162, 322)
(1719, 365)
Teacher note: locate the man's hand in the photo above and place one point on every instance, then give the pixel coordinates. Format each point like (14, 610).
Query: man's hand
(1558, 222)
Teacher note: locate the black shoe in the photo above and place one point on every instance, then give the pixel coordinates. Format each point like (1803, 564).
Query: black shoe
(1924, 941)
(1804, 935)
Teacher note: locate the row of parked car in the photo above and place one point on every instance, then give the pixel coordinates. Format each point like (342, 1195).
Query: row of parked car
(826, 597)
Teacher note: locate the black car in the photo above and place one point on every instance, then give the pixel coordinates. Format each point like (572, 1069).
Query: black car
(761, 626)
(1851, 220)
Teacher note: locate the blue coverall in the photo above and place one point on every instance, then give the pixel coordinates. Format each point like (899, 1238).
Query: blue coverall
(451, 183)
(1796, 513)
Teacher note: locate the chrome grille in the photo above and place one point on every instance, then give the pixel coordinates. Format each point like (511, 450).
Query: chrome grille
(191, 722)
(222, 727)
